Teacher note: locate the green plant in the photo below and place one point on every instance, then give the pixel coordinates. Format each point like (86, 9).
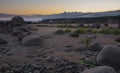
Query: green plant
(111, 31)
(116, 31)
(67, 30)
(86, 42)
(42, 26)
(71, 26)
(82, 62)
(67, 26)
(74, 34)
(81, 30)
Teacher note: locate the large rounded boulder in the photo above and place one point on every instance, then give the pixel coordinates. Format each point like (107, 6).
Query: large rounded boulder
(100, 69)
(32, 40)
(109, 55)
(17, 21)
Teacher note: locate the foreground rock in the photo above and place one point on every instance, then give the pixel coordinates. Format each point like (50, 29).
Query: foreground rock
(4, 67)
(21, 29)
(2, 41)
(32, 40)
(110, 55)
(51, 65)
(20, 32)
(100, 69)
(95, 47)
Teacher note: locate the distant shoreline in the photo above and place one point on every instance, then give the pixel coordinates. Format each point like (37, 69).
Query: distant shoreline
(26, 19)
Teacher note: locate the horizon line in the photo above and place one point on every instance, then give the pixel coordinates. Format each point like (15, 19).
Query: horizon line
(63, 12)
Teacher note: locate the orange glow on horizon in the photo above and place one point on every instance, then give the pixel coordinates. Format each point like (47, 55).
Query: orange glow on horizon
(47, 7)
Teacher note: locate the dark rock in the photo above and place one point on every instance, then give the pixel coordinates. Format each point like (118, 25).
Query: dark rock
(100, 69)
(59, 32)
(20, 33)
(68, 49)
(95, 47)
(17, 21)
(2, 41)
(118, 45)
(20, 37)
(109, 55)
(23, 29)
(36, 71)
(4, 67)
(1, 56)
(32, 40)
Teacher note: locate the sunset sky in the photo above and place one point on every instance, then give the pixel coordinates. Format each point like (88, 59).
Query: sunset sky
(56, 6)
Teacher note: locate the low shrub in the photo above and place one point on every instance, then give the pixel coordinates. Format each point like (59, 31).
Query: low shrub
(116, 31)
(67, 26)
(74, 34)
(111, 31)
(86, 42)
(81, 30)
(67, 30)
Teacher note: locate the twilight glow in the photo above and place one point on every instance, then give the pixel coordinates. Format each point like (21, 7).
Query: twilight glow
(56, 6)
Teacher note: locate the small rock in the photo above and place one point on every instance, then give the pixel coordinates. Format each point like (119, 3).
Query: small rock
(59, 31)
(95, 47)
(93, 36)
(3, 41)
(1, 56)
(4, 67)
(68, 49)
(36, 71)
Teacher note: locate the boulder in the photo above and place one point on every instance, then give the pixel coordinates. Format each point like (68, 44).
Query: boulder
(21, 28)
(95, 47)
(100, 69)
(2, 41)
(59, 31)
(17, 21)
(110, 56)
(32, 40)
(20, 32)
(17, 32)
(21, 36)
